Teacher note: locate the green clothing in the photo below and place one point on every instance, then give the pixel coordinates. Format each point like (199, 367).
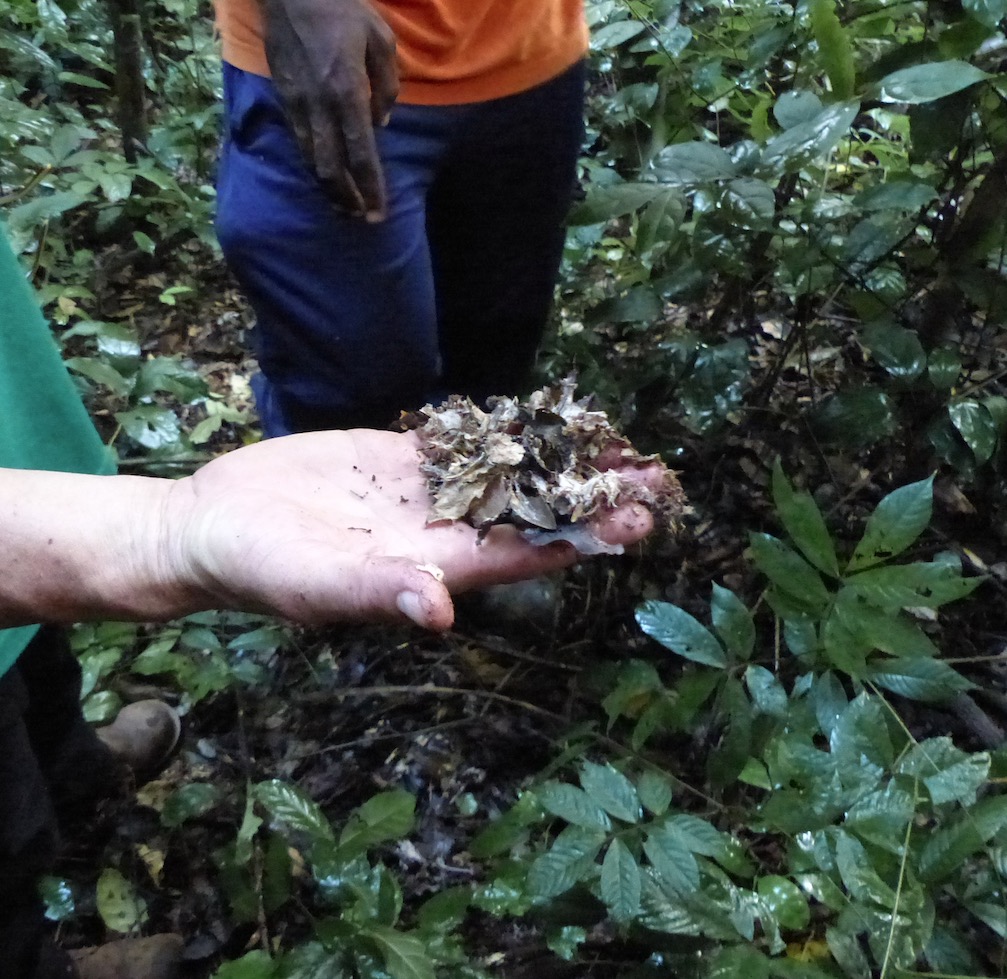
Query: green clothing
(43, 424)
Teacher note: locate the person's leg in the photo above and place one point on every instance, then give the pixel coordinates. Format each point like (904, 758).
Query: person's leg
(28, 842)
(346, 330)
(496, 217)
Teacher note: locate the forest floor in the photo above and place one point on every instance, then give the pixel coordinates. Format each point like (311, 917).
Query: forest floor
(462, 720)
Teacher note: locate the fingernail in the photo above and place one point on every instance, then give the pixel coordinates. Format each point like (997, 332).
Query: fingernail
(387, 119)
(374, 217)
(409, 604)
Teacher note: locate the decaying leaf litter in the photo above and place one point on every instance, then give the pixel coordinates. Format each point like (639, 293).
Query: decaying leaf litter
(545, 464)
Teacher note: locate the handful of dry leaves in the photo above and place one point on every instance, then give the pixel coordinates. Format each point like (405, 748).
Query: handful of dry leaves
(544, 465)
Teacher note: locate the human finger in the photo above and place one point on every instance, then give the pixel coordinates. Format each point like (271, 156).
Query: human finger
(330, 159)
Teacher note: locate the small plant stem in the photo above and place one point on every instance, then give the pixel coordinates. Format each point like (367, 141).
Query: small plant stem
(902, 877)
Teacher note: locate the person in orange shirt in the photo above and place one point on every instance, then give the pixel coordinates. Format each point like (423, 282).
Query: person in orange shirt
(392, 194)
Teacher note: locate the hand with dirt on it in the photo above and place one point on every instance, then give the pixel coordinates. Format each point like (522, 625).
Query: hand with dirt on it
(333, 62)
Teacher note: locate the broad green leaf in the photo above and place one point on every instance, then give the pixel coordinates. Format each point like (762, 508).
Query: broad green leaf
(789, 572)
(804, 523)
(766, 691)
(606, 203)
(897, 521)
(988, 12)
(570, 858)
(786, 900)
(896, 195)
(655, 792)
(445, 910)
(120, 907)
(610, 789)
(44, 208)
(572, 804)
(808, 142)
(616, 33)
(911, 585)
(861, 879)
(891, 632)
(855, 417)
(101, 372)
(927, 83)
(747, 203)
(847, 951)
(669, 853)
(291, 808)
(115, 186)
(151, 426)
(250, 824)
(860, 739)
(188, 802)
(732, 622)
(881, 817)
(738, 962)
(687, 164)
(896, 349)
(829, 700)
(503, 833)
(796, 107)
(976, 425)
(251, 965)
(405, 956)
(950, 774)
(918, 679)
(620, 882)
(386, 816)
(681, 633)
(833, 46)
(948, 847)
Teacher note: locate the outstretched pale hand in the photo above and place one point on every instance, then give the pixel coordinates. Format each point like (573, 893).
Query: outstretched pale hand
(332, 526)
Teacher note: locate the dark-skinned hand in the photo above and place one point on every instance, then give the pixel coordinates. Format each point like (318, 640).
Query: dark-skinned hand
(333, 62)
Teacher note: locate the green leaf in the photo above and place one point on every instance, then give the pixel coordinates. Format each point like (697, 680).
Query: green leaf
(565, 941)
(611, 790)
(796, 107)
(618, 32)
(606, 203)
(944, 367)
(747, 203)
(950, 774)
(679, 632)
(655, 792)
(804, 523)
(808, 142)
(57, 896)
(847, 951)
(948, 847)
(881, 817)
(786, 900)
(895, 195)
(987, 12)
(927, 83)
(572, 804)
(44, 208)
(911, 585)
(896, 349)
(855, 417)
(833, 46)
(101, 373)
(386, 816)
(188, 802)
(251, 965)
(405, 956)
(766, 691)
(620, 882)
(889, 631)
(859, 876)
(503, 833)
(687, 164)
(292, 809)
(151, 426)
(667, 848)
(789, 572)
(568, 861)
(120, 907)
(929, 680)
(897, 521)
(733, 622)
(976, 425)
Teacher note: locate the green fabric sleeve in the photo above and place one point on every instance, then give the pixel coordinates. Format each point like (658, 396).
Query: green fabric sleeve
(43, 424)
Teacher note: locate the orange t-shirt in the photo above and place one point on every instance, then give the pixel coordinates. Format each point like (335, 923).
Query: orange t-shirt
(449, 51)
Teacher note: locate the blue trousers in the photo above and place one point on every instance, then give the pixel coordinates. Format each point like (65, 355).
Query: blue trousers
(450, 294)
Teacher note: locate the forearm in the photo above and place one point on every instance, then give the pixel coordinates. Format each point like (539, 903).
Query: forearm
(87, 547)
